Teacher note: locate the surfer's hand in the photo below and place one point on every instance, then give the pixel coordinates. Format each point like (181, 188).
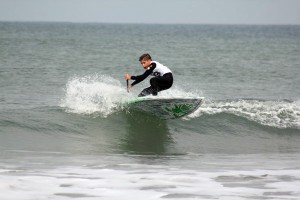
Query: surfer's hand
(127, 76)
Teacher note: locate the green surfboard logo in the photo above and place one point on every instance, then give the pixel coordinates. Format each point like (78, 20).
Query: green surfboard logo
(179, 109)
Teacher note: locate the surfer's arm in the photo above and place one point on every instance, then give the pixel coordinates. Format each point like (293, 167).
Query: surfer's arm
(142, 77)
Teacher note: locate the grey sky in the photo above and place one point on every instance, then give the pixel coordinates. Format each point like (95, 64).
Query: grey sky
(154, 11)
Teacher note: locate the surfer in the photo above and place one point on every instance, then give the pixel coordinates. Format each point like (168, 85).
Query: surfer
(162, 80)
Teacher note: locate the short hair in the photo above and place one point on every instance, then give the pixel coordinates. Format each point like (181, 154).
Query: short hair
(145, 56)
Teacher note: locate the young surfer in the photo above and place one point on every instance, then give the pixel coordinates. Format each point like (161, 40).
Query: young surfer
(162, 80)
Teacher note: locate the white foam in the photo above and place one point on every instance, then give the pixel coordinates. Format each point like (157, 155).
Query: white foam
(281, 114)
(139, 181)
(93, 95)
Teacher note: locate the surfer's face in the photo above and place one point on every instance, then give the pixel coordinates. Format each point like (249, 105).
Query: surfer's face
(145, 63)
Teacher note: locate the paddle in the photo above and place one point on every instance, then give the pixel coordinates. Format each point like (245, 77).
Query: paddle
(127, 82)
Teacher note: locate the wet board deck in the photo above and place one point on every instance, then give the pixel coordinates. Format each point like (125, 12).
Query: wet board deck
(166, 108)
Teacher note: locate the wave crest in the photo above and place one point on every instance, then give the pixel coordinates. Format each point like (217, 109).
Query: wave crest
(280, 114)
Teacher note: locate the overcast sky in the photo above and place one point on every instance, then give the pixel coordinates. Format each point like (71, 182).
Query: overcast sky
(154, 11)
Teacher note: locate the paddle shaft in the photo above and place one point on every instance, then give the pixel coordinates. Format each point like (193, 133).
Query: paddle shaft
(127, 83)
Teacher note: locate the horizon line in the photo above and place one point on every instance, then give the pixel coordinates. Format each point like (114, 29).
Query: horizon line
(148, 23)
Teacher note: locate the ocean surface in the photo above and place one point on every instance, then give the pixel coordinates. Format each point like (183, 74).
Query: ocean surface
(65, 133)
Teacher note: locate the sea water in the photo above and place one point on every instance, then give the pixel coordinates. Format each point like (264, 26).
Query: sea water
(65, 134)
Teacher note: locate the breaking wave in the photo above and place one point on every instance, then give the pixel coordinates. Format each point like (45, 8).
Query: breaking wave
(280, 114)
(101, 95)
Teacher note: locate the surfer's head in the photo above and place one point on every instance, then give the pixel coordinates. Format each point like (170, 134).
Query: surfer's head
(145, 60)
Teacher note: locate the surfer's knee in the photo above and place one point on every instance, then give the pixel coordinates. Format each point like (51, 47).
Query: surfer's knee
(153, 82)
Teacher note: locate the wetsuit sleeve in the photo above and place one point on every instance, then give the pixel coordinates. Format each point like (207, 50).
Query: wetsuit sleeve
(142, 77)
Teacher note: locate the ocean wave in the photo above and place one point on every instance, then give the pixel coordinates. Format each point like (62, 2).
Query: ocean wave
(102, 95)
(279, 114)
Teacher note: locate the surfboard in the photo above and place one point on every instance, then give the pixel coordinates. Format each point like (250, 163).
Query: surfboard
(166, 108)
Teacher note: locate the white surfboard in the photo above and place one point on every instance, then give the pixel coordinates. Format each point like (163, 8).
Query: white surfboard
(166, 108)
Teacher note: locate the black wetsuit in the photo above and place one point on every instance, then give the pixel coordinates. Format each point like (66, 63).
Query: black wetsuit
(162, 80)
